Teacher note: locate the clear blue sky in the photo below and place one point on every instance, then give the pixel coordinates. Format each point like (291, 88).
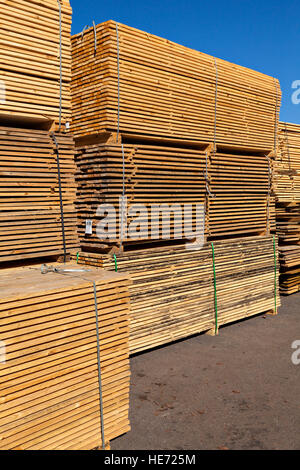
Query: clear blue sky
(261, 34)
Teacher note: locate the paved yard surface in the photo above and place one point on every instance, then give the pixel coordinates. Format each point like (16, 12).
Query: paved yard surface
(239, 390)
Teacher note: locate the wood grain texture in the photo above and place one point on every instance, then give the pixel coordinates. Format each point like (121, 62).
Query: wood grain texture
(238, 200)
(172, 294)
(30, 215)
(30, 61)
(168, 91)
(49, 391)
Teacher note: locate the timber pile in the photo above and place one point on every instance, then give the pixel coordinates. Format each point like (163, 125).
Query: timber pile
(168, 91)
(287, 191)
(30, 66)
(240, 187)
(30, 216)
(288, 232)
(287, 169)
(242, 201)
(49, 387)
(172, 294)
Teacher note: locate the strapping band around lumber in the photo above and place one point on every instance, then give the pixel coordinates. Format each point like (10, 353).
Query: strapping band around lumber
(215, 288)
(95, 38)
(82, 33)
(99, 368)
(216, 103)
(205, 172)
(269, 194)
(276, 115)
(116, 263)
(118, 71)
(60, 198)
(98, 358)
(275, 277)
(60, 64)
(123, 208)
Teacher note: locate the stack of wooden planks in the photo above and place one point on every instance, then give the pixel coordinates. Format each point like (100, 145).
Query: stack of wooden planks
(30, 61)
(242, 202)
(287, 192)
(288, 232)
(172, 294)
(30, 214)
(235, 188)
(50, 395)
(287, 168)
(168, 91)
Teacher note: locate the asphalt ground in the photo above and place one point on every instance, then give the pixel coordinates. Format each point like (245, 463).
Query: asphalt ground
(239, 390)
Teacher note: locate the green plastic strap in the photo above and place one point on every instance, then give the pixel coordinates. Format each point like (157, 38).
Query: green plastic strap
(116, 264)
(275, 277)
(77, 257)
(215, 289)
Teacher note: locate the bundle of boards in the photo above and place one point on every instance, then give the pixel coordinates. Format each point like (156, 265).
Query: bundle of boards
(288, 232)
(50, 398)
(287, 192)
(287, 170)
(173, 296)
(234, 191)
(30, 212)
(139, 84)
(30, 67)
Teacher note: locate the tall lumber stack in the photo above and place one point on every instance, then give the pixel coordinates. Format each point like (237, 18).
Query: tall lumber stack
(49, 370)
(158, 123)
(287, 190)
(36, 165)
(167, 91)
(50, 389)
(30, 61)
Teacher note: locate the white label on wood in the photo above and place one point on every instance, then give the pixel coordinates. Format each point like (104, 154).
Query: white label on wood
(2, 352)
(88, 227)
(2, 92)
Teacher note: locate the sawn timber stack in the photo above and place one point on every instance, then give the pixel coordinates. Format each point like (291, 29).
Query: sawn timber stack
(168, 91)
(288, 232)
(30, 215)
(287, 192)
(49, 369)
(234, 190)
(287, 169)
(30, 61)
(172, 295)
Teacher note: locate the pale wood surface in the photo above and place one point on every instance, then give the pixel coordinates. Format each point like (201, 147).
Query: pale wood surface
(49, 393)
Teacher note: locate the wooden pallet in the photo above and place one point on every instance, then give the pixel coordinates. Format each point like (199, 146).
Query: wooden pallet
(30, 216)
(49, 389)
(168, 91)
(235, 189)
(30, 62)
(172, 295)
